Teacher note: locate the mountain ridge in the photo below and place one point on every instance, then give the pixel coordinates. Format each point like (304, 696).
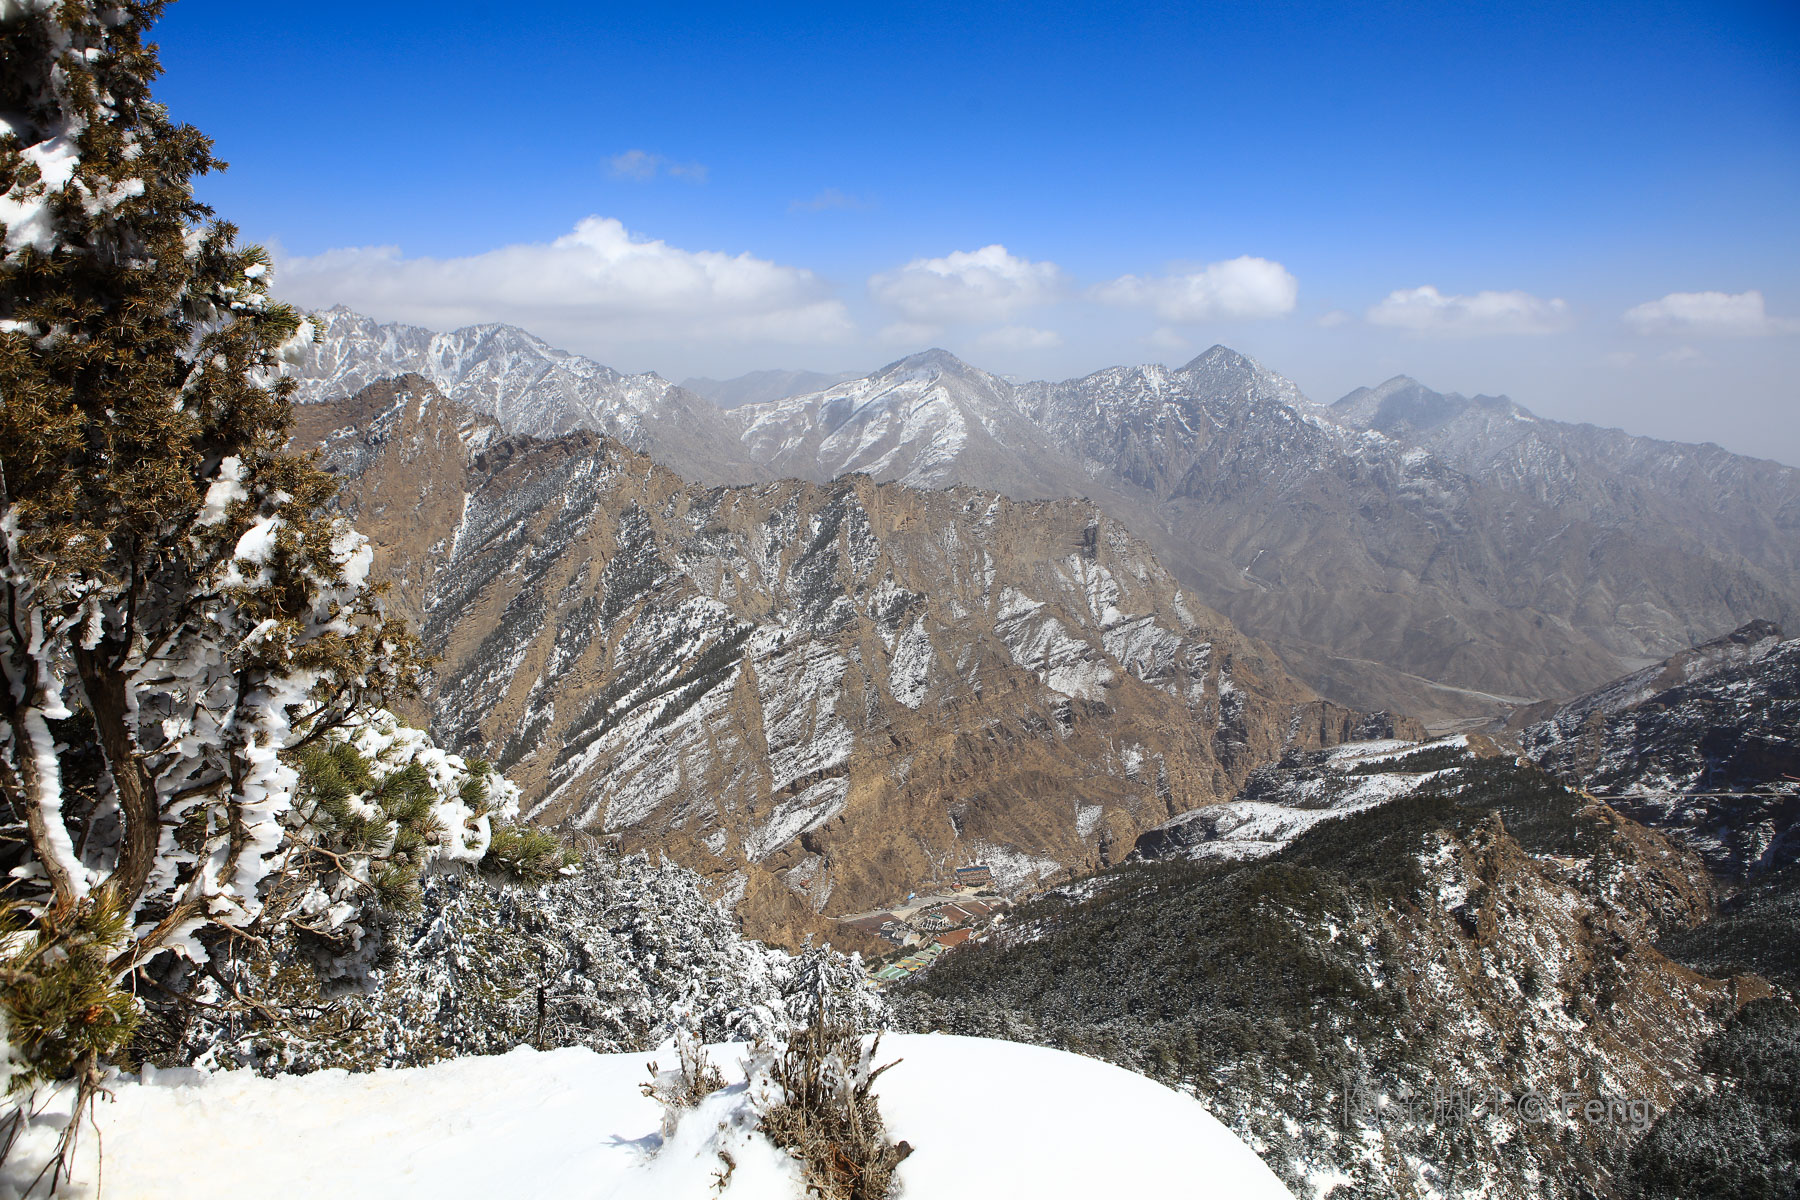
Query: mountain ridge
(528, 386)
(1702, 746)
(1450, 557)
(819, 695)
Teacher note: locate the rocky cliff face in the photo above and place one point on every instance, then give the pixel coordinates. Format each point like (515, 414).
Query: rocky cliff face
(819, 695)
(1705, 745)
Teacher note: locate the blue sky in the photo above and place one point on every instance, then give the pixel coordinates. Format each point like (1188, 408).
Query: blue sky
(817, 185)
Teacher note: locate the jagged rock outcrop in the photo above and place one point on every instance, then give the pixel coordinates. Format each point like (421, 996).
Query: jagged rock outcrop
(1705, 745)
(817, 694)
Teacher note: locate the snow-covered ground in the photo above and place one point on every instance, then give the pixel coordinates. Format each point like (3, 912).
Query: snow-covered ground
(1289, 801)
(988, 1119)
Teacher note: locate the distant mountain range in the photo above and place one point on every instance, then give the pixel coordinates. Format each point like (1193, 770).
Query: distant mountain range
(1402, 549)
(529, 387)
(818, 695)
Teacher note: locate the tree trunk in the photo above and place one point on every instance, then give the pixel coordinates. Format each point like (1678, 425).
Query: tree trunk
(105, 687)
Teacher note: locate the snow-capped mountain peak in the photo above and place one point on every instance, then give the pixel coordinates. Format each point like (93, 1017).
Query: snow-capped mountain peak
(528, 385)
(1222, 370)
(1403, 407)
(934, 360)
(1218, 355)
(928, 419)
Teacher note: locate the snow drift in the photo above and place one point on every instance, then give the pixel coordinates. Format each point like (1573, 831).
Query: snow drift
(988, 1119)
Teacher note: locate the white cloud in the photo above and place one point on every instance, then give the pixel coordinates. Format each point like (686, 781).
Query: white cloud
(597, 285)
(640, 166)
(1164, 338)
(1427, 310)
(1721, 314)
(634, 164)
(829, 199)
(1243, 288)
(1335, 318)
(969, 285)
(1020, 337)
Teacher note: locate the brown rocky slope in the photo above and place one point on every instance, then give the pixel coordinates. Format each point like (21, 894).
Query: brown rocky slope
(819, 695)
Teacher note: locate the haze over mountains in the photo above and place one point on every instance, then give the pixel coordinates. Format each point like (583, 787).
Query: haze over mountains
(1401, 549)
(760, 387)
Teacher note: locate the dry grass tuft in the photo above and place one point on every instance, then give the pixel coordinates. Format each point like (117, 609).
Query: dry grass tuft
(693, 1080)
(827, 1116)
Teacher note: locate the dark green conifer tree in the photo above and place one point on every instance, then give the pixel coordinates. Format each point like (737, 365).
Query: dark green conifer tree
(179, 613)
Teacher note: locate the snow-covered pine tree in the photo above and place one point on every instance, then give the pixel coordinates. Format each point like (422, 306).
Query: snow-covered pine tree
(180, 616)
(616, 954)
